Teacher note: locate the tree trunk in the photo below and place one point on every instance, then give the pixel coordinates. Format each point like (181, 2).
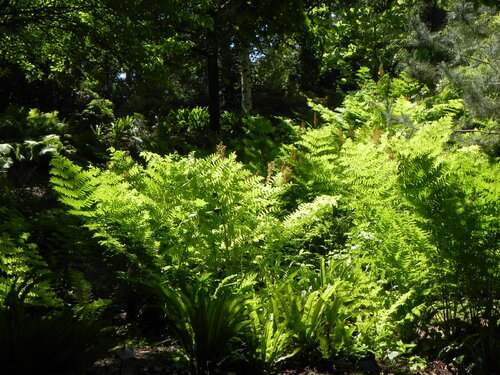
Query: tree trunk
(246, 78)
(213, 82)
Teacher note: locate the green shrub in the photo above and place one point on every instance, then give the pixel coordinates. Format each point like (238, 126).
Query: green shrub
(260, 140)
(30, 135)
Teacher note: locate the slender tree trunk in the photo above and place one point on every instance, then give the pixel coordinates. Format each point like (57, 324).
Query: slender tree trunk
(246, 78)
(213, 82)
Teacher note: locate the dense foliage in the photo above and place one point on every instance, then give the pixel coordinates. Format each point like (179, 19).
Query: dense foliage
(348, 211)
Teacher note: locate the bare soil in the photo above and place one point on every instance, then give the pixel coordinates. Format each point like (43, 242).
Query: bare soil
(156, 361)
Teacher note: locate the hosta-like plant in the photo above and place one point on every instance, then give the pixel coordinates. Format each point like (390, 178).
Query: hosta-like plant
(303, 312)
(30, 135)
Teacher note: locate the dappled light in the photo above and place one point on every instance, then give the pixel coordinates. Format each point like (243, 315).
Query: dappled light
(249, 187)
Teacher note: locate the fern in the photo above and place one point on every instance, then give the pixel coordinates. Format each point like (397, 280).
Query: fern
(208, 212)
(314, 166)
(30, 135)
(24, 275)
(422, 212)
(373, 172)
(74, 185)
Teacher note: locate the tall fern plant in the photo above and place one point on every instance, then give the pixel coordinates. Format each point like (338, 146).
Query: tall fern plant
(456, 199)
(209, 214)
(416, 207)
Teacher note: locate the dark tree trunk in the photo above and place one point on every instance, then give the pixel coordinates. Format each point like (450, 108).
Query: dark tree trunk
(213, 83)
(246, 78)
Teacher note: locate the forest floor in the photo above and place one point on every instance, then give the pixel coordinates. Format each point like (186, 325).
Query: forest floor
(156, 361)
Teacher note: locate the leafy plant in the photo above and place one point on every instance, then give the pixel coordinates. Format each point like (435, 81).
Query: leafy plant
(404, 217)
(303, 312)
(24, 276)
(122, 133)
(212, 215)
(30, 135)
(180, 131)
(269, 337)
(260, 141)
(203, 323)
(34, 335)
(413, 208)
(466, 277)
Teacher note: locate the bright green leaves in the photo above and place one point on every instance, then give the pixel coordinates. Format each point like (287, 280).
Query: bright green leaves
(31, 26)
(421, 209)
(364, 34)
(461, 223)
(73, 184)
(405, 221)
(269, 338)
(303, 312)
(103, 200)
(23, 273)
(181, 211)
(214, 207)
